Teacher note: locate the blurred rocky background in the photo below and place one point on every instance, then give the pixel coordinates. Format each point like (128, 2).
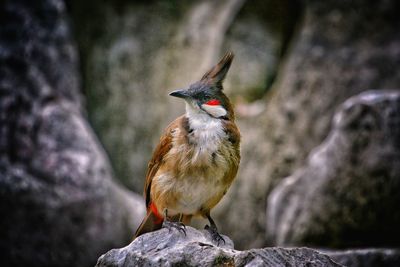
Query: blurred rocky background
(59, 205)
(320, 148)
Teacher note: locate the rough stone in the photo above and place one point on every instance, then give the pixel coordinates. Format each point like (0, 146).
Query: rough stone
(346, 193)
(58, 203)
(164, 248)
(366, 257)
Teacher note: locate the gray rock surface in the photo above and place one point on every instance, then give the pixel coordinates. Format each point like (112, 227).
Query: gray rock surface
(346, 194)
(366, 257)
(58, 203)
(164, 248)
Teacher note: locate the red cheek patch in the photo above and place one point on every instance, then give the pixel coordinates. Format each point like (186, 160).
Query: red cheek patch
(213, 102)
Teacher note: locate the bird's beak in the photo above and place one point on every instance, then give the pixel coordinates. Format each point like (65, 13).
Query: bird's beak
(180, 93)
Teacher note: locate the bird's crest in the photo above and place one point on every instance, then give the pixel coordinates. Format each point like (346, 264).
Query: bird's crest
(216, 75)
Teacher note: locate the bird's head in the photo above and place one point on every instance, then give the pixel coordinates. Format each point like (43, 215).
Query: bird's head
(206, 96)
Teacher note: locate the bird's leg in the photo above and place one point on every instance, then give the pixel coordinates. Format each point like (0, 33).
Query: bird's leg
(168, 223)
(213, 230)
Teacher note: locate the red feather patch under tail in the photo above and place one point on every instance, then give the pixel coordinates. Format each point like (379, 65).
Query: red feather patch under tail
(152, 222)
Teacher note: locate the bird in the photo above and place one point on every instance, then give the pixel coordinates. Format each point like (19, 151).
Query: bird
(196, 159)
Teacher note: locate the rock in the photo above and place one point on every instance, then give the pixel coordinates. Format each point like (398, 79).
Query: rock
(341, 48)
(58, 203)
(134, 54)
(163, 248)
(346, 193)
(366, 257)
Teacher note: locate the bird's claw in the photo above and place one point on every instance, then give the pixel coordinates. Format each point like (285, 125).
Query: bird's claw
(177, 225)
(214, 234)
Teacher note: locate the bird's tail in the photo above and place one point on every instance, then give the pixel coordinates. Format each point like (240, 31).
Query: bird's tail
(154, 221)
(150, 223)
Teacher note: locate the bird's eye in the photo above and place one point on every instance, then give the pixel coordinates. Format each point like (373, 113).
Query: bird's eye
(213, 102)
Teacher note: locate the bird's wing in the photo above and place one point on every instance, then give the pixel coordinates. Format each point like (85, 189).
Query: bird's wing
(233, 133)
(234, 138)
(163, 147)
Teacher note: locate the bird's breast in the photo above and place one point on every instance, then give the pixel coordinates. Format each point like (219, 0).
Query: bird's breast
(195, 170)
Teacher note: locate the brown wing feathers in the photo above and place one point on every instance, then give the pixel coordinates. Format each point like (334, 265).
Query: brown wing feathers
(153, 219)
(161, 150)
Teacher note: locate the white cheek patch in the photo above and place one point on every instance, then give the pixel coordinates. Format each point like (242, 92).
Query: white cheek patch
(214, 110)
